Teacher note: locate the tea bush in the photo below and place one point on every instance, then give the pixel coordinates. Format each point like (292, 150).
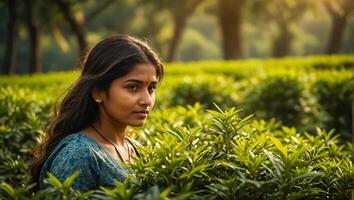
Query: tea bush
(227, 157)
(299, 102)
(278, 97)
(205, 90)
(242, 69)
(23, 116)
(335, 94)
(223, 153)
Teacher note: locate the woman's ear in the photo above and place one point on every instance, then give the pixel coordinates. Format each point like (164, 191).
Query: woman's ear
(97, 95)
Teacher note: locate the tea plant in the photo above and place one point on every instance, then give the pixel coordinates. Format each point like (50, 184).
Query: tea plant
(189, 152)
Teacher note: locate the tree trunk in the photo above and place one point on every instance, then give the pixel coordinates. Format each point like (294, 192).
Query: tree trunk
(179, 26)
(282, 43)
(9, 55)
(230, 19)
(76, 26)
(33, 30)
(338, 26)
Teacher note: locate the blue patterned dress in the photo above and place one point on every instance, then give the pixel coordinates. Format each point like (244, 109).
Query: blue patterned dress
(78, 152)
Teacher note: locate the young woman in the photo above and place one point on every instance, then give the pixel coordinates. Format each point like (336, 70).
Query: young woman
(87, 133)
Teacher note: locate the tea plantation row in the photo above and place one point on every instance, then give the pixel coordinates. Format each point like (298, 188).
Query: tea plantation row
(191, 153)
(188, 153)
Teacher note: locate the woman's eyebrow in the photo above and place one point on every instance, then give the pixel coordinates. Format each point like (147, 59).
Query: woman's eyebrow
(138, 81)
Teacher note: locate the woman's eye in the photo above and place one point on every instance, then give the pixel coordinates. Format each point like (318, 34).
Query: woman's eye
(133, 88)
(152, 89)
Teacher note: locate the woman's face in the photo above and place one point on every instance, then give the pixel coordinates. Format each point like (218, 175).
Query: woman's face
(131, 97)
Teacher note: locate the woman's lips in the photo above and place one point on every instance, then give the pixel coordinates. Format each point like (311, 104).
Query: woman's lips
(143, 113)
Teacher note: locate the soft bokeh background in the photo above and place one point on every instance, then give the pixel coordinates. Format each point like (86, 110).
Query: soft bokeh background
(42, 36)
(286, 62)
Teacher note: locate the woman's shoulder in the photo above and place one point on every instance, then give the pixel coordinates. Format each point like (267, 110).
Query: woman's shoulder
(76, 137)
(74, 152)
(76, 141)
(73, 148)
(78, 152)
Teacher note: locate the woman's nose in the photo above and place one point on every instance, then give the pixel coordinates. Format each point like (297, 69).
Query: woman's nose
(146, 98)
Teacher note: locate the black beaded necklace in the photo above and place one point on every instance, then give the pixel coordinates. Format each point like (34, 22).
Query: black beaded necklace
(115, 146)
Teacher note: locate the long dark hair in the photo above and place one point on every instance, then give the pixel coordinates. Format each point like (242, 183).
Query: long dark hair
(111, 58)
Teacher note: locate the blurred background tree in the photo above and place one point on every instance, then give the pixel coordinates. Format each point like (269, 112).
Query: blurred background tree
(285, 15)
(180, 12)
(42, 36)
(230, 17)
(339, 12)
(11, 26)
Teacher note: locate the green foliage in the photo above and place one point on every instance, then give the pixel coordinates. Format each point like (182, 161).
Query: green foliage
(23, 115)
(196, 47)
(243, 69)
(278, 97)
(226, 157)
(230, 157)
(222, 153)
(335, 94)
(204, 90)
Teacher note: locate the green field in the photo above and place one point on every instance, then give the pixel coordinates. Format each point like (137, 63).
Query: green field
(254, 129)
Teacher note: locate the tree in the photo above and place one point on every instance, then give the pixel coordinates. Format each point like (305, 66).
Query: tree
(15, 17)
(76, 25)
(180, 12)
(33, 32)
(230, 18)
(285, 14)
(9, 54)
(151, 27)
(339, 11)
